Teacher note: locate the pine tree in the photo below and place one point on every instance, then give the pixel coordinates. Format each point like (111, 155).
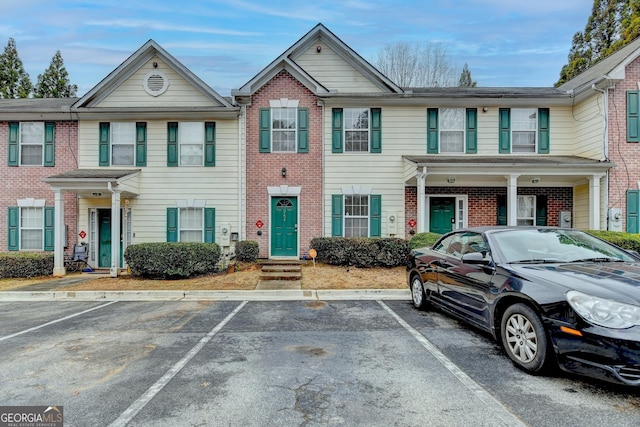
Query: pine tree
(612, 24)
(14, 80)
(54, 82)
(465, 77)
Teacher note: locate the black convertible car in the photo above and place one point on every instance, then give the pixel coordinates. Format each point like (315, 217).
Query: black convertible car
(549, 295)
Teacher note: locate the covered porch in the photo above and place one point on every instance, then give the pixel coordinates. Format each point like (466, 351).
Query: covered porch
(116, 184)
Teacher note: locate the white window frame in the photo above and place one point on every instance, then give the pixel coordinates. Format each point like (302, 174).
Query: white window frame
(186, 140)
(31, 227)
(182, 211)
(288, 115)
(350, 217)
(122, 135)
(521, 126)
(526, 213)
(444, 129)
(24, 141)
(351, 117)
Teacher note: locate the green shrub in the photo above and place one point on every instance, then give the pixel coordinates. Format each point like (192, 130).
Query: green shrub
(627, 241)
(422, 240)
(172, 260)
(361, 251)
(247, 251)
(25, 264)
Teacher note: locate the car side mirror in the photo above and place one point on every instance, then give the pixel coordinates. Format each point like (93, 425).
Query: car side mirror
(476, 258)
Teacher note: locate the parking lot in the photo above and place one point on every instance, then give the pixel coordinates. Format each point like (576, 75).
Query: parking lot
(287, 363)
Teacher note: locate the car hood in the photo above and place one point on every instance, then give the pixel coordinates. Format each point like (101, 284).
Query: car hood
(619, 281)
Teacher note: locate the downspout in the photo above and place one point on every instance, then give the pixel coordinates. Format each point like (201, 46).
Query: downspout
(241, 183)
(605, 140)
(323, 186)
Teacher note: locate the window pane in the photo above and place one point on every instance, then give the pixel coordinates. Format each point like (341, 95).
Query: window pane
(123, 133)
(452, 142)
(356, 125)
(452, 118)
(356, 227)
(31, 155)
(122, 155)
(191, 139)
(524, 142)
(31, 239)
(284, 141)
(191, 236)
(32, 132)
(526, 210)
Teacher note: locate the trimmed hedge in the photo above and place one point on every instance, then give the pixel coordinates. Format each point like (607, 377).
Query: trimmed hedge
(627, 241)
(422, 240)
(25, 264)
(247, 250)
(172, 260)
(361, 251)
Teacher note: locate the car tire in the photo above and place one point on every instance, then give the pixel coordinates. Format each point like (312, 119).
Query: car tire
(524, 338)
(418, 296)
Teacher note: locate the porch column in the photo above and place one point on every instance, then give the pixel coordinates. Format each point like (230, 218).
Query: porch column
(58, 234)
(512, 199)
(594, 202)
(421, 176)
(115, 232)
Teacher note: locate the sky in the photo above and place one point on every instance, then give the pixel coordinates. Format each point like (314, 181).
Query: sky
(506, 43)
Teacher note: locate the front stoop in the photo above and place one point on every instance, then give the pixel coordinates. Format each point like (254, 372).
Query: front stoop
(280, 275)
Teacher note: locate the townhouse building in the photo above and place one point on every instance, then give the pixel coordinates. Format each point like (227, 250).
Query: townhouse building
(318, 143)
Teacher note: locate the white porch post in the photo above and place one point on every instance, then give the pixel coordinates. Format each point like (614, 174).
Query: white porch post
(594, 202)
(58, 234)
(512, 199)
(115, 233)
(421, 176)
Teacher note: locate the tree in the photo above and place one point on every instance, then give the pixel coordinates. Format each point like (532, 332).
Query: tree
(14, 80)
(54, 82)
(419, 65)
(465, 77)
(612, 24)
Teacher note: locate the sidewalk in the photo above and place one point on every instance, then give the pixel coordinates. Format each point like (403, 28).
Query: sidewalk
(49, 291)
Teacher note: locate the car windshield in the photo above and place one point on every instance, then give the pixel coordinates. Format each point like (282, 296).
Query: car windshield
(554, 245)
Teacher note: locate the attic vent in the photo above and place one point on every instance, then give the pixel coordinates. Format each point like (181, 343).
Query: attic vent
(155, 83)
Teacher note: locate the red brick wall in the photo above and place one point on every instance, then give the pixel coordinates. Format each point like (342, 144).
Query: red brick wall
(625, 155)
(483, 205)
(303, 170)
(25, 181)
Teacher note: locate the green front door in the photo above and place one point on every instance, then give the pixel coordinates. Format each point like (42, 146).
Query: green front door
(441, 214)
(104, 237)
(284, 226)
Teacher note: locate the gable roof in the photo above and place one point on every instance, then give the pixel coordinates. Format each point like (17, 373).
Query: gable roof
(286, 61)
(609, 68)
(133, 64)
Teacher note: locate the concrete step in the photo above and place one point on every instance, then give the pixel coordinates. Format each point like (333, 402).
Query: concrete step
(281, 275)
(280, 268)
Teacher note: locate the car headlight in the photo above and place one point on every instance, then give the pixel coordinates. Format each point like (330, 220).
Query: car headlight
(604, 312)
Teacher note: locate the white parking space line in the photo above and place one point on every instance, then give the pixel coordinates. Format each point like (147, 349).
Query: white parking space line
(484, 396)
(139, 404)
(71, 316)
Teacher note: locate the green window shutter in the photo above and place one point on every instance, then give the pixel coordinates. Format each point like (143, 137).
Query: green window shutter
(337, 145)
(104, 144)
(375, 215)
(336, 215)
(209, 225)
(376, 130)
(472, 131)
(633, 211)
(265, 130)
(209, 143)
(49, 144)
(141, 144)
(14, 231)
(303, 130)
(504, 145)
(432, 130)
(172, 224)
(543, 130)
(49, 236)
(14, 130)
(502, 209)
(172, 144)
(633, 116)
(541, 210)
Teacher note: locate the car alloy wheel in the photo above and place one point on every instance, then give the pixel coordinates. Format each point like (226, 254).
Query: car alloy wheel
(524, 338)
(417, 293)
